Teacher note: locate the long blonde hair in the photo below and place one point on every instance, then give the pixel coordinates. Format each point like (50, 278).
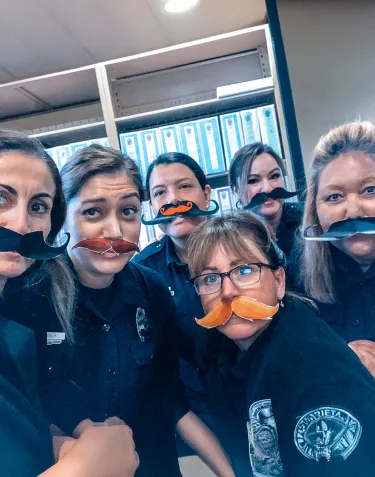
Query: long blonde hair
(317, 270)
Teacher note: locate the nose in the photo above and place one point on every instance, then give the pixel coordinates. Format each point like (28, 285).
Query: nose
(229, 291)
(17, 220)
(354, 207)
(266, 186)
(173, 196)
(112, 229)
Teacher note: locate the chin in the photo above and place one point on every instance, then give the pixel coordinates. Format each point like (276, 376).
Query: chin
(14, 268)
(181, 227)
(361, 247)
(240, 329)
(270, 210)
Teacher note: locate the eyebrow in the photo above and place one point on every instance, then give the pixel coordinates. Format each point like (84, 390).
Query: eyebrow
(276, 169)
(13, 191)
(103, 199)
(178, 181)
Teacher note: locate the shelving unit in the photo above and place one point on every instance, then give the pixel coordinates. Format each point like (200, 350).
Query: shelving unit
(150, 89)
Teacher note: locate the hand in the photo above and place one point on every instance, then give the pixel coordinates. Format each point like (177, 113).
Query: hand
(104, 451)
(87, 423)
(62, 445)
(365, 350)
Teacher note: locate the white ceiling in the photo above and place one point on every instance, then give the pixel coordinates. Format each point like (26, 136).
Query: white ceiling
(44, 36)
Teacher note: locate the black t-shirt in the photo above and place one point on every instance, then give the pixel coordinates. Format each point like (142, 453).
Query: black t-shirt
(298, 403)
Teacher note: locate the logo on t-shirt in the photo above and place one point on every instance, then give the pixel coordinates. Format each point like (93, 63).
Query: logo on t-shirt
(327, 432)
(263, 442)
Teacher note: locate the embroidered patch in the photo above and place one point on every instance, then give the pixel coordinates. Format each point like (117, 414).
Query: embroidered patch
(54, 337)
(143, 325)
(327, 432)
(263, 441)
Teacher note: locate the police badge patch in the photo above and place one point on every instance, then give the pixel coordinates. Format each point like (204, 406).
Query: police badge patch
(326, 433)
(143, 325)
(263, 442)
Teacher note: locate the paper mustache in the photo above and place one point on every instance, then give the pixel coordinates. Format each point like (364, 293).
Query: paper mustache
(182, 208)
(243, 306)
(31, 245)
(340, 230)
(103, 245)
(262, 197)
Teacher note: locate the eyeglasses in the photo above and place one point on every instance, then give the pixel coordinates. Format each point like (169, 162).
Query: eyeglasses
(243, 276)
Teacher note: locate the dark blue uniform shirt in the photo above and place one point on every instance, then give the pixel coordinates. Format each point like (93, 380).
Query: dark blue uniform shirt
(161, 256)
(289, 224)
(25, 441)
(123, 362)
(352, 315)
(297, 403)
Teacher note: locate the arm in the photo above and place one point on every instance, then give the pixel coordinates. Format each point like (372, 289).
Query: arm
(200, 438)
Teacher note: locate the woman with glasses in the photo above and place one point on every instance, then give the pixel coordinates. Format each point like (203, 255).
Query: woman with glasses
(290, 398)
(257, 170)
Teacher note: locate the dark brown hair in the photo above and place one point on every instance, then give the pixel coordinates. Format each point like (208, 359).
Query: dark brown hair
(92, 161)
(242, 162)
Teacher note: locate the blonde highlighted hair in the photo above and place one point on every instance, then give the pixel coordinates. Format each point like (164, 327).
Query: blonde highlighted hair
(317, 270)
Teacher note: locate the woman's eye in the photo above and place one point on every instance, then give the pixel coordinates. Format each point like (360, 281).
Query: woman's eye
(38, 208)
(243, 271)
(91, 212)
(158, 193)
(252, 181)
(275, 176)
(211, 279)
(369, 190)
(185, 186)
(333, 198)
(129, 211)
(3, 199)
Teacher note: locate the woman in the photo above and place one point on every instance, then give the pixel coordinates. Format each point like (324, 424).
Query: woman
(123, 361)
(308, 401)
(31, 200)
(170, 178)
(340, 274)
(258, 169)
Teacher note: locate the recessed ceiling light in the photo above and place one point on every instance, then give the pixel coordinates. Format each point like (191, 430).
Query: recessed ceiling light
(180, 6)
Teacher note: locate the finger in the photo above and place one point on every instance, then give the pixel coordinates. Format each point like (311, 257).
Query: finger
(83, 426)
(363, 346)
(114, 421)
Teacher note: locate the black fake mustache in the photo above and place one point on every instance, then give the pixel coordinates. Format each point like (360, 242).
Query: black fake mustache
(181, 208)
(262, 197)
(340, 230)
(31, 245)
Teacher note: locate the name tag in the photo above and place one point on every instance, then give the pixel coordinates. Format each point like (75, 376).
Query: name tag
(54, 337)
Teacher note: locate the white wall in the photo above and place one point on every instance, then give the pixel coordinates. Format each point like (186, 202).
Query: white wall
(330, 49)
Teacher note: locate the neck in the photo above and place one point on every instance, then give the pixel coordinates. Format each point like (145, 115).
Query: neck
(92, 280)
(181, 249)
(245, 343)
(275, 220)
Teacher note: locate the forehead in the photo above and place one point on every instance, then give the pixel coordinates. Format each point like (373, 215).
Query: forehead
(347, 169)
(107, 186)
(264, 164)
(247, 251)
(29, 174)
(170, 173)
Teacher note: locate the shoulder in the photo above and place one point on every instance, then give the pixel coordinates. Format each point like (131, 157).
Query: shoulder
(153, 251)
(293, 211)
(153, 283)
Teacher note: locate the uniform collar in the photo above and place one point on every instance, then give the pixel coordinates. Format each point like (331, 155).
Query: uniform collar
(171, 255)
(291, 216)
(128, 280)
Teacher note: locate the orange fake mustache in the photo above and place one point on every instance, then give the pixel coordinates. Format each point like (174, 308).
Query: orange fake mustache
(243, 306)
(102, 245)
(179, 209)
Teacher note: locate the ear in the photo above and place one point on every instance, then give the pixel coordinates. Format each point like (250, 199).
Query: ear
(207, 193)
(279, 275)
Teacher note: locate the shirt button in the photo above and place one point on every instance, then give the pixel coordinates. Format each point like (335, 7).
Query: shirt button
(355, 322)
(106, 327)
(112, 371)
